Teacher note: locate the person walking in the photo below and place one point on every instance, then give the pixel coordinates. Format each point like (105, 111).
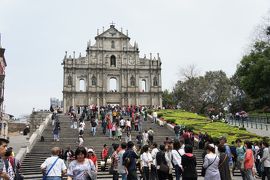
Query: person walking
(122, 170)
(153, 173)
(6, 168)
(129, 161)
(223, 163)
(240, 153)
(177, 154)
(161, 164)
(53, 167)
(147, 161)
(81, 168)
(210, 163)
(249, 161)
(92, 156)
(68, 155)
(266, 161)
(189, 164)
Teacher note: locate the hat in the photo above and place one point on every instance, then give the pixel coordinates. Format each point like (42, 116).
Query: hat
(212, 145)
(90, 150)
(223, 138)
(4, 140)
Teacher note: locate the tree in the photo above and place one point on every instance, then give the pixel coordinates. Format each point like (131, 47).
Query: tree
(167, 99)
(253, 73)
(197, 94)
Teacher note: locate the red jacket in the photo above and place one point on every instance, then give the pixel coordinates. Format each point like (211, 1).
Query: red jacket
(104, 153)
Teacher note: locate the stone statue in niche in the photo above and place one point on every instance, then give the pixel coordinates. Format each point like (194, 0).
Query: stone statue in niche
(132, 81)
(94, 81)
(69, 80)
(155, 81)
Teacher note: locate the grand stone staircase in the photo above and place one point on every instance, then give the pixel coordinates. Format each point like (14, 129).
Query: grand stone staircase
(41, 150)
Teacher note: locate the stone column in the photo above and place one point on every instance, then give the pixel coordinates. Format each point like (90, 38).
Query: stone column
(2, 128)
(73, 100)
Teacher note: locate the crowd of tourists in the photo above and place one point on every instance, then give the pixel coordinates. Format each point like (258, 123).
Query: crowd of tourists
(124, 157)
(10, 167)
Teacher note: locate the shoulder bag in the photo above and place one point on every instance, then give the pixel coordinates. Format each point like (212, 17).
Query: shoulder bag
(44, 177)
(204, 169)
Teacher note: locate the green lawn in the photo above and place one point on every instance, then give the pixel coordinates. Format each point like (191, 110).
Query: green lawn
(203, 124)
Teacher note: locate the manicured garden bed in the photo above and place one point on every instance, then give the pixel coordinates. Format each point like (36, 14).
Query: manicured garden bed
(203, 124)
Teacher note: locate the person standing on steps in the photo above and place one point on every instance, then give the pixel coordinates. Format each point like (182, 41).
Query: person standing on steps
(6, 171)
(154, 117)
(122, 170)
(53, 167)
(129, 161)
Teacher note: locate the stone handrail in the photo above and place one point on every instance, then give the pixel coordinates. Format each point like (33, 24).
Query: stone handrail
(33, 139)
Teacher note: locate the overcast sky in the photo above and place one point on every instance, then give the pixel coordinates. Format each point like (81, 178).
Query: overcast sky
(212, 34)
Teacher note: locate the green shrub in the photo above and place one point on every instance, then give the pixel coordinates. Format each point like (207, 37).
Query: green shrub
(189, 127)
(171, 120)
(149, 111)
(242, 128)
(159, 115)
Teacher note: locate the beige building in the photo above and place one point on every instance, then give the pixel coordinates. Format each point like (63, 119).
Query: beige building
(111, 73)
(3, 64)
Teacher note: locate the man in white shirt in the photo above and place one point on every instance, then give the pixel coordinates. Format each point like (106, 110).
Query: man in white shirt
(122, 123)
(177, 154)
(5, 172)
(54, 167)
(154, 117)
(153, 173)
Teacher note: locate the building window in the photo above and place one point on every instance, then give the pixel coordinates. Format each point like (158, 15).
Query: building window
(94, 81)
(143, 85)
(113, 85)
(113, 61)
(82, 85)
(69, 80)
(112, 45)
(132, 81)
(155, 81)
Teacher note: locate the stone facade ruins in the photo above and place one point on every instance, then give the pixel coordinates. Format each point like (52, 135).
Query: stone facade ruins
(111, 73)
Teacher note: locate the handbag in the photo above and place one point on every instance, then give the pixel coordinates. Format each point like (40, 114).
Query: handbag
(204, 169)
(164, 168)
(45, 177)
(111, 171)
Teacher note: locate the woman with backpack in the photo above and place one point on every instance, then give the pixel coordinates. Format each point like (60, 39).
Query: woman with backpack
(189, 164)
(162, 166)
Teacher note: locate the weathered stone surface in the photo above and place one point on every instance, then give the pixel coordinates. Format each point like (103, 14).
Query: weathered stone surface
(87, 80)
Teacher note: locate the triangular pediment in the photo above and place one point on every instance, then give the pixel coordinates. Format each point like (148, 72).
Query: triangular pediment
(112, 32)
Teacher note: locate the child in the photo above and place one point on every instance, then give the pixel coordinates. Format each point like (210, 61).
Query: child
(128, 137)
(113, 130)
(119, 133)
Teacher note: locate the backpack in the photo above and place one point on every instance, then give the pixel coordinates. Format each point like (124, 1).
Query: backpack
(126, 162)
(93, 123)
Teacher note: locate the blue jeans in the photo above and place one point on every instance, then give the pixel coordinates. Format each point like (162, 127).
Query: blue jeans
(177, 172)
(94, 130)
(248, 174)
(124, 176)
(53, 178)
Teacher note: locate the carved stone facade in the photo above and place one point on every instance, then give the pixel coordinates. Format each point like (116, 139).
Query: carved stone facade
(112, 73)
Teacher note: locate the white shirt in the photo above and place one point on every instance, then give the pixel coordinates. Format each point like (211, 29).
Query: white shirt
(128, 124)
(146, 159)
(122, 122)
(154, 114)
(57, 168)
(154, 153)
(177, 156)
(83, 124)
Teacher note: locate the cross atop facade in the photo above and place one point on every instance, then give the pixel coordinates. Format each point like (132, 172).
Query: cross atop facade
(112, 24)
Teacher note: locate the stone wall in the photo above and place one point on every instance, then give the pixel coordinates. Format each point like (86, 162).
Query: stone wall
(15, 127)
